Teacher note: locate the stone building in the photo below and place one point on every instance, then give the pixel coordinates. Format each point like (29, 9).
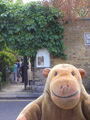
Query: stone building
(77, 40)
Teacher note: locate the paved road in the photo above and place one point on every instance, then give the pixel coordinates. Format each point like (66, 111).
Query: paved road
(9, 109)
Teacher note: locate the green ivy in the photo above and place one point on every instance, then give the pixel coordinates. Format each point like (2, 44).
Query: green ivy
(30, 27)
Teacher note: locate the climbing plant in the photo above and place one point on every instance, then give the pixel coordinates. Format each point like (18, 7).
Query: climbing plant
(30, 27)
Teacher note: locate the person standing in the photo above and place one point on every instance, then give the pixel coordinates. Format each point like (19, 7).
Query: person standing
(22, 69)
(18, 70)
(14, 73)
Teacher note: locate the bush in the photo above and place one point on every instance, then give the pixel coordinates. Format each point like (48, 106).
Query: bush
(7, 60)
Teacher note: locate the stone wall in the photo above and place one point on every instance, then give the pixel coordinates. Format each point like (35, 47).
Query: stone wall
(78, 54)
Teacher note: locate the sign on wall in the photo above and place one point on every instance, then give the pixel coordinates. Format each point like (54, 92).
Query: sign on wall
(87, 38)
(42, 58)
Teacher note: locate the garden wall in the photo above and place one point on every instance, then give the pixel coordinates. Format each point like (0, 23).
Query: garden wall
(78, 54)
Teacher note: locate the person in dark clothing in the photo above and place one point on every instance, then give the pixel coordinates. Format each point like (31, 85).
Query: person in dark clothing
(18, 70)
(22, 69)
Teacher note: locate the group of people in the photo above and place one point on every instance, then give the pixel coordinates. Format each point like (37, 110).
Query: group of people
(18, 71)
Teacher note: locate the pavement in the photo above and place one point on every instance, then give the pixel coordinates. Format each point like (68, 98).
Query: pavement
(17, 91)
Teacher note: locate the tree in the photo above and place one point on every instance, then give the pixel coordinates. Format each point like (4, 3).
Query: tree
(19, 1)
(6, 1)
(72, 9)
(30, 27)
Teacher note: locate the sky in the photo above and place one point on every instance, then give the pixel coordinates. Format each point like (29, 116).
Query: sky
(26, 1)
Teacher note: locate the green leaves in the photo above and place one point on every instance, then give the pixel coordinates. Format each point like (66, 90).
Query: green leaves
(6, 59)
(32, 26)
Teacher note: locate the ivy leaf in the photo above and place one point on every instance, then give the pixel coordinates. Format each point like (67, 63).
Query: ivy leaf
(31, 26)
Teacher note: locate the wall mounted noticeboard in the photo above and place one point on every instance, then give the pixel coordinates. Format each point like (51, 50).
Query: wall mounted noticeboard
(87, 38)
(42, 58)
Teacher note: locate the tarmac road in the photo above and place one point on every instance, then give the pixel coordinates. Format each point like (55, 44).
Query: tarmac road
(10, 109)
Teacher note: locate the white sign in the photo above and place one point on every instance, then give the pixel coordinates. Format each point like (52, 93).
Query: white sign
(42, 58)
(87, 38)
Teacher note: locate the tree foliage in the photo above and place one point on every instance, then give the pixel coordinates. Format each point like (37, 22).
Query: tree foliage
(72, 9)
(19, 1)
(30, 27)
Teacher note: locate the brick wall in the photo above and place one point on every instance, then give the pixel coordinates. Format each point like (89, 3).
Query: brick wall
(77, 53)
(39, 79)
